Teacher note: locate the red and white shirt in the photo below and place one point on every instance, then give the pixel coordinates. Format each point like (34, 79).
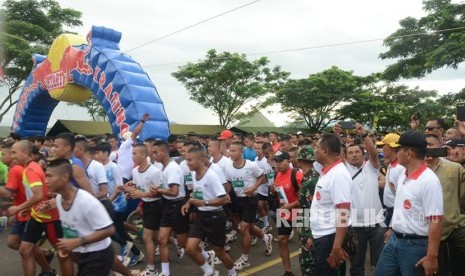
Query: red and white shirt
(333, 190)
(418, 200)
(394, 171)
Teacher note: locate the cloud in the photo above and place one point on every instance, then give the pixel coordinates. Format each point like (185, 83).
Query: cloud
(268, 25)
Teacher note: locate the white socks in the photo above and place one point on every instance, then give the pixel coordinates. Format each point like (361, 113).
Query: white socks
(266, 238)
(165, 268)
(205, 255)
(207, 269)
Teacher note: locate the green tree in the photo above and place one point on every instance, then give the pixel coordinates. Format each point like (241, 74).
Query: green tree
(393, 105)
(28, 27)
(318, 98)
(228, 83)
(94, 108)
(418, 55)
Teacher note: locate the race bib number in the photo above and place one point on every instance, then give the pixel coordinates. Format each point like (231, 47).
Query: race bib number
(270, 176)
(238, 184)
(69, 233)
(188, 179)
(198, 195)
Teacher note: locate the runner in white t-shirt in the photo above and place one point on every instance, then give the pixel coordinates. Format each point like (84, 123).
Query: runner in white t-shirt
(115, 185)
(87, 227)
(209, 196)
(264, 190)
(244, 178)
(173, 190)
(216, 156)
(145, 176)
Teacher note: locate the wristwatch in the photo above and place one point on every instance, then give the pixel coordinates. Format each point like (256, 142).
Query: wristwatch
(206, 203)
(84, 241)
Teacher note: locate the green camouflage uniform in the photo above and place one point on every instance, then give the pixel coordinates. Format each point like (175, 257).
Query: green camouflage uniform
(306, 191)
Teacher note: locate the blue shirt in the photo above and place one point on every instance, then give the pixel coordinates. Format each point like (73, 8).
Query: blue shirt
(249, 154)
(76, 161)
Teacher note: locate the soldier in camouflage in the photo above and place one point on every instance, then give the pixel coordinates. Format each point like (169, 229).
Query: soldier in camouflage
(307, 188)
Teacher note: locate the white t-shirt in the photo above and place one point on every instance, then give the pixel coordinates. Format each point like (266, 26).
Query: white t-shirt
(114, 180)
(97, 175)
(143, 180)
(172, 175)
(394, 171)
(187, 174)
(85, 216)
(114, 156)
(125, 162)
(244, 177)
(222, 163)
(269, 173)
(209, 187)
(333, 189)
(216, 169)
(366, 207)
(418, 197)
(155, 163)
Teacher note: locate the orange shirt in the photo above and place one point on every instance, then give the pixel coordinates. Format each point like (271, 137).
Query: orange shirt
(34, 176)
(15, 184)
(283, 179)
(276, 147)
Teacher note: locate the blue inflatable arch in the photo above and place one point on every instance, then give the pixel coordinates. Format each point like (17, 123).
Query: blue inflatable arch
(123, 89)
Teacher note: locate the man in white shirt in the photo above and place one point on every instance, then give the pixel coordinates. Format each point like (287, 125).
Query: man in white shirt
(367, 211)
(173, 190)
(209, 196)
(145, 176)
(394, 171)
(244, 178)
(216, 156)
(330, 211)
(264, 190)
(125, 162)
(418, 210)
(87, 227)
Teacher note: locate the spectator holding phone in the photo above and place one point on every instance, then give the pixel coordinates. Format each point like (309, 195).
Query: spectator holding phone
(452, 178)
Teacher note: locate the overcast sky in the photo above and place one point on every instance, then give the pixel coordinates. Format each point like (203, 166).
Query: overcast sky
(265, 26)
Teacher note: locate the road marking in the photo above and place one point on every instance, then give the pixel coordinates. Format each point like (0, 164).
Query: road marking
(266, 265)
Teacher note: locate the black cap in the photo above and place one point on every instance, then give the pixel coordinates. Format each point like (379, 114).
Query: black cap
(280, 156)
(455, 143)
(413, 139)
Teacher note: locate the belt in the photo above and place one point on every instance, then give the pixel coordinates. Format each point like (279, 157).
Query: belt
(175, 200)
(151, 202)
(410, 236)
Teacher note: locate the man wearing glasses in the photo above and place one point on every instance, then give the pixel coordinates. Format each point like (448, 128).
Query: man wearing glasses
(435, 126)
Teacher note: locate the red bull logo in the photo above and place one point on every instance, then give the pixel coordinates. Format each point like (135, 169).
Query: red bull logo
(72, 59)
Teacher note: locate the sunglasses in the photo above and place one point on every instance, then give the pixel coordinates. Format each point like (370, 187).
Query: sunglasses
(431, 128)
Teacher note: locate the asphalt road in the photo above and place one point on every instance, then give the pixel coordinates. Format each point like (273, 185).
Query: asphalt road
(261, 265)
(10, 261)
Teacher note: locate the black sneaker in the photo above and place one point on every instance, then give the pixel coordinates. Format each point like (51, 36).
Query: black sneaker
(53, 273)
(288, 273)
